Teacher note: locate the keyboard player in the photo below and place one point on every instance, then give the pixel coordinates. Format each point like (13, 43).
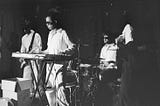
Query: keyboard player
(30, 43)
(58, 43)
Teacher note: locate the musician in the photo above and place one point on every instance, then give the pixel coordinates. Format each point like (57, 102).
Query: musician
(58, 43)
(126, 54)
(30, 43)
(108, 53)
(108, 66)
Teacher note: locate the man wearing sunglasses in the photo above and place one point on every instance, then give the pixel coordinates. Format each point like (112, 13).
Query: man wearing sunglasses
(108, 72)
(58, 43)
(108, 52)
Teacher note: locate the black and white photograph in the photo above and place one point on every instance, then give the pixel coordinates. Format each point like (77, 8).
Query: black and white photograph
(79, 53)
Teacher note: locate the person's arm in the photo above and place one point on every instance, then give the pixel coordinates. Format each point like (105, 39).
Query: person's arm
(37, 44)
(102, 53)
(120, 38)
(46, 51)
(103, 62)
(70, 46)
(23, 49)
(127, 32)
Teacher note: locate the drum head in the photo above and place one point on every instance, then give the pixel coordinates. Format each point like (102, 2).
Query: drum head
(85, 65)
(70, 78)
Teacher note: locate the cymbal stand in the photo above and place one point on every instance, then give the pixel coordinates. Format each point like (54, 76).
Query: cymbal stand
(78, 60)
(78, 88)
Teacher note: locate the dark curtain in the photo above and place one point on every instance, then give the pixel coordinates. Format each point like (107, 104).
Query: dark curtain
(84, 24)
(11, 34)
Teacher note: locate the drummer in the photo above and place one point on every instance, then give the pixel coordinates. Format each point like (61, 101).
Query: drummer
(108, 70)
(108, 53)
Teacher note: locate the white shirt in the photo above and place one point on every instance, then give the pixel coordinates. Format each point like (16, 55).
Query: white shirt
(58, 41)
(109, 52)
(127, 33)
(26, 40)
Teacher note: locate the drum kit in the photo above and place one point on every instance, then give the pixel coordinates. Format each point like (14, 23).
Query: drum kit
(81, 81)
(84, 80)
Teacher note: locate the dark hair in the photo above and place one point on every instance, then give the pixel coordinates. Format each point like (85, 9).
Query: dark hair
(55, 15)
(111, 39)
(27, 26)
(111, 36)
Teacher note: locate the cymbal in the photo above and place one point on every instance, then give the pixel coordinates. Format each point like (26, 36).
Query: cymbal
(84, 44)
(72, 71)
(85, 65)
(95, 59)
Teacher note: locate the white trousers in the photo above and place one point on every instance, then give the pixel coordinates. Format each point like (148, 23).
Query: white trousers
(56, 94)
(27, 73)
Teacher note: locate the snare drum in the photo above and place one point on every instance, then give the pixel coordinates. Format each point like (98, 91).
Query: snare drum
(85, 70)
(70, 78)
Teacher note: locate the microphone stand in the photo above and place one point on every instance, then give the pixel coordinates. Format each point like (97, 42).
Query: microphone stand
(79, 88)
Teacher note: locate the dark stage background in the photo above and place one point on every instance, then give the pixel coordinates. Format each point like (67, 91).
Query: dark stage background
(84, 21)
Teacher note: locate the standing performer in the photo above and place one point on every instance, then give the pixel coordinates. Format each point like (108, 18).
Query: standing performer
(140, 73)
(58, 43)
(31, 43)
(126, 53)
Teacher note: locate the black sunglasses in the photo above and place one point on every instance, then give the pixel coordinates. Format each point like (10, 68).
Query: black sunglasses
(105, 37)
(49, 23)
